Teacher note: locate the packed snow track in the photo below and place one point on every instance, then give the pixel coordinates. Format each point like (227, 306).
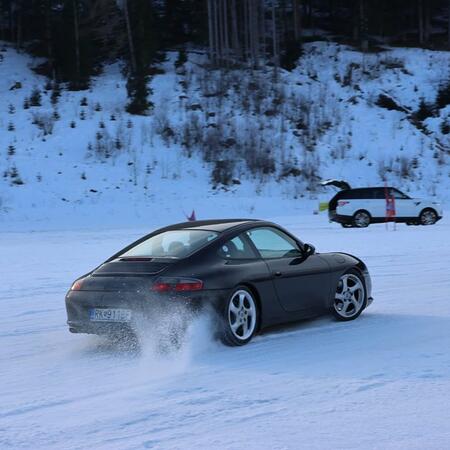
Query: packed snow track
(380, 382)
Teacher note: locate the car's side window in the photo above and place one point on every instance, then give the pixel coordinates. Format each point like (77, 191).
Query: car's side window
(273, 243)
(379, 194)
(237, 248)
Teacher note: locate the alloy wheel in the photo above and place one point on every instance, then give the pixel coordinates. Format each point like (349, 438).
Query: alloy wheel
(242, 315)
(361, 219)
(428, 217)
(349, 297)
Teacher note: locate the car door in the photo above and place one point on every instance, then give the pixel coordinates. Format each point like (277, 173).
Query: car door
(379, 203)
(404, 205)
(300, 283)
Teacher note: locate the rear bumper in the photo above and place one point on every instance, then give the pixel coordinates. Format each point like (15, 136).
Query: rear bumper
(144, 308)
(334, 217)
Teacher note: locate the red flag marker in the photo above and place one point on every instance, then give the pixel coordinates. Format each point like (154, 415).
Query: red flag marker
(390, 206)
(192, 217)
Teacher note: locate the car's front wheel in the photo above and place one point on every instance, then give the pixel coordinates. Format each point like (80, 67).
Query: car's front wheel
(350, 296)
(241, 317)
(428, 217)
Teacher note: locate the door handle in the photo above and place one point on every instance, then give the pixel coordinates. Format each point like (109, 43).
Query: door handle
(278, 274)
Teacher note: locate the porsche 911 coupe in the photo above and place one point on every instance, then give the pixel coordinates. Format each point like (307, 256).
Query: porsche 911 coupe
(252, 274)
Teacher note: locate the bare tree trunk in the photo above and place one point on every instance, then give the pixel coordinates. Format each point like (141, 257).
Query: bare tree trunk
(221, 29)
(448, 33)
(310, 13)
(427, 23)
(235, 32)
(11, 21)
(19, 30)
(355, 22)
(216, 31)
(77, 39)
(262, 29)
(282, 19)
(48, 36)
(225, 31)
(212, 55)
(363, 25)
(130, 37)
(274, 39)
(296, 6)
(246, 8)
(19, 25)
(420, 20)
(254, 31)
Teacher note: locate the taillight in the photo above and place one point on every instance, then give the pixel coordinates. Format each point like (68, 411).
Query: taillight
(77, 285)
(342, 203)
(177, 285)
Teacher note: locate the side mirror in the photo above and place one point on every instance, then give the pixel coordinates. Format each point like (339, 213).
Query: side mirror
(308, 250)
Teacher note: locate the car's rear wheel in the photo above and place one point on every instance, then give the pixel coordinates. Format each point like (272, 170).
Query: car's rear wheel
(361, 219)
(428, 217)
(241, 319)
(350, 297)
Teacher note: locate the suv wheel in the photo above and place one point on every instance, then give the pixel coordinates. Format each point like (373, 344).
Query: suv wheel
(361, 219)
(428, 217)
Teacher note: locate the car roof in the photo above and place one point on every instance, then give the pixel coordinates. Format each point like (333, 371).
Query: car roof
(368, 187)
(218, 225)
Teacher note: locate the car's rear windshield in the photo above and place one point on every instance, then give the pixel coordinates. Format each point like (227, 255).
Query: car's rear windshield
(171, 244)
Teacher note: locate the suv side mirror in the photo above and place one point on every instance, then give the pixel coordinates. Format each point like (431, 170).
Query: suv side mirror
(308, 250)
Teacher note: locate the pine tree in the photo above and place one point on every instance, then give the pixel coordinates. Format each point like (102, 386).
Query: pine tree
(138, 92)
(56, 93)
(36, 97)
(443, 97)
(425, 111)
(142, 30)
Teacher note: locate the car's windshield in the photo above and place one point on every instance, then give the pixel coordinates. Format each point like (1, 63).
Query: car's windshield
(171, 244)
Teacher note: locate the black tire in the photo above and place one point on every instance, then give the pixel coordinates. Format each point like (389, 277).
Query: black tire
(361, 299)
(243, 301)
(428, 217)
(361, 219)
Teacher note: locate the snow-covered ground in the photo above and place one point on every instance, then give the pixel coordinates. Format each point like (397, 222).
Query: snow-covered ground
(381, 382)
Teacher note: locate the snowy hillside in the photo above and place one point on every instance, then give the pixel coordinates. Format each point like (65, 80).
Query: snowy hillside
(225, 143)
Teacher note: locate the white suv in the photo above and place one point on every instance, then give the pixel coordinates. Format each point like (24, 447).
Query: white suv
(363, 206)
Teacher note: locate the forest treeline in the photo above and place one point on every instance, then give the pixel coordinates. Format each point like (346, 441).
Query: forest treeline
(77, 37)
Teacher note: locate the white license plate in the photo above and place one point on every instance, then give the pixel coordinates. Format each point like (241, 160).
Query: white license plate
(109, 315)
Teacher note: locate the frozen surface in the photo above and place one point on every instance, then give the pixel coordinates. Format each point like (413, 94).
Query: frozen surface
(381, 382)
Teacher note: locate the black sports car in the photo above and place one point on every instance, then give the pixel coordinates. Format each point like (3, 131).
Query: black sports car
(252, 273)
